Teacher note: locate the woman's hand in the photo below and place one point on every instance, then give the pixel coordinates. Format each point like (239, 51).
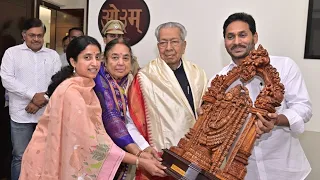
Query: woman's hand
(150, 150)
(153, 167)
(146, 155)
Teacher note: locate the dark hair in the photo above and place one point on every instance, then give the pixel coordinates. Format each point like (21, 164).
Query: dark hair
(76, 29)
(112, 43)
(75, 47)
(64, 38)
(244, 17)
(33, 22)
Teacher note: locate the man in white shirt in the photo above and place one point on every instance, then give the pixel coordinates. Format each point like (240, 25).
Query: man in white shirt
(277, 154)
(26, 72)
(63, 57)
(72, 33)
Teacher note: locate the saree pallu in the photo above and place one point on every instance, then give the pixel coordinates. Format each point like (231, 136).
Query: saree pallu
(113, 102)
(111, 94)
(70, 141)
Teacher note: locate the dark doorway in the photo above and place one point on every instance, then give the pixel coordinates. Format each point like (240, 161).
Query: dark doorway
(13, 14)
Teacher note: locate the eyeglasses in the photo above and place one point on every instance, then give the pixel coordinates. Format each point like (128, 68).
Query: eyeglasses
(34, 36)
(173, 43)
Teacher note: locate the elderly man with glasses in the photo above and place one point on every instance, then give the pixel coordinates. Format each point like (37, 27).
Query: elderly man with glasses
(166, 94)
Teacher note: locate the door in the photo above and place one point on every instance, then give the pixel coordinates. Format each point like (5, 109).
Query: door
(13, 14)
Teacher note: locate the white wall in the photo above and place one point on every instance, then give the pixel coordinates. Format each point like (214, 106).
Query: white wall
(281, 26)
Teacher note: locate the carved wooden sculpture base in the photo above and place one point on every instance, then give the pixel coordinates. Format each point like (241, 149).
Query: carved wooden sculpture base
(221, 141)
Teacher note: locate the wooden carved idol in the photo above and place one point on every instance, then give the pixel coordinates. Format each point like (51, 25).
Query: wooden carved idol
(220, 143)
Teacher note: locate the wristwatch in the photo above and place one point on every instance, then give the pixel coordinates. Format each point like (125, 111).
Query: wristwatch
(46, 96)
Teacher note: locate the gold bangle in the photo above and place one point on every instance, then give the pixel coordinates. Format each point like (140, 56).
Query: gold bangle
(137, 163)
(139, 153)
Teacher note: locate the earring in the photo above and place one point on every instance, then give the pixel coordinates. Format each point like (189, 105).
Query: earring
(74, 70)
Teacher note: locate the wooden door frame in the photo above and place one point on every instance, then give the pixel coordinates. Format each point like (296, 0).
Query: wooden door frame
(37, 4)
(87, 17)
(55, 8)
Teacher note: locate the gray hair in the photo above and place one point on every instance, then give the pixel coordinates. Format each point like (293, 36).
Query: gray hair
(183, 31)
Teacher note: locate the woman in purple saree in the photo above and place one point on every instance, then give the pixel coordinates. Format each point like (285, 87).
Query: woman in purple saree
(111, 83)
